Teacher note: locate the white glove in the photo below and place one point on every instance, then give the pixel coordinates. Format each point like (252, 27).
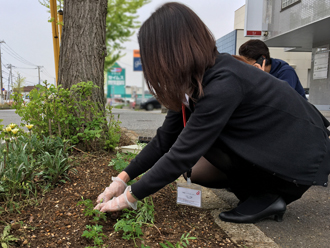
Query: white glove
(117, 203)
(116, 188)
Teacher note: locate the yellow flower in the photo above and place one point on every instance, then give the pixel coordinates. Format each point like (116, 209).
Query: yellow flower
(8, 129)
(12, 125)
(29, 126)
(15, 131)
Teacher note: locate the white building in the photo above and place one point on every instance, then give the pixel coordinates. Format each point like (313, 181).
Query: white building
(231, 43)
(303, 25)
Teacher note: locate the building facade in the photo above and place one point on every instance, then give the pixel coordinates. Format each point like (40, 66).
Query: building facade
(303, 25)
(231, 43)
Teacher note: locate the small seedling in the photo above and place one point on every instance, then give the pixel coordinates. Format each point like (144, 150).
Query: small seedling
(5, 238)
(131, 229)
(90, 211)
(95, 234)
(184, 242)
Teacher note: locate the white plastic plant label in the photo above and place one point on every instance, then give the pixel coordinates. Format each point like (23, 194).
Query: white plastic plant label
(189, 194)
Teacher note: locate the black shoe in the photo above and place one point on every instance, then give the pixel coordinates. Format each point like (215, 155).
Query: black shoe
(276, 208)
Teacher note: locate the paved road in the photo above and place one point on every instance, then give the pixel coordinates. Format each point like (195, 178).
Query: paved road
(144, 123)
(9, 116)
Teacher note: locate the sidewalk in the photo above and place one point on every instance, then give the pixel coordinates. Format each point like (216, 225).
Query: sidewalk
(241, 234)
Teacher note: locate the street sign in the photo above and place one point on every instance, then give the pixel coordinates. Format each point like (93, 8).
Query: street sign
(137, 65)
(116, 81)
(3, 89)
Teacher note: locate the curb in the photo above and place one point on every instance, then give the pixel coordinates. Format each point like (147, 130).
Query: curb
(243, 235)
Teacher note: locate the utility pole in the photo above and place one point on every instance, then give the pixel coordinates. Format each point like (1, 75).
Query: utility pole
(39, 67)
(10, 79)
(1, 84)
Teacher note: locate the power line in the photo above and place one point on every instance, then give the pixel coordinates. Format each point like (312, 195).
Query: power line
(18, 56)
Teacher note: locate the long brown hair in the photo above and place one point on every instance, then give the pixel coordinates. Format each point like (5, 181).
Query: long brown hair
(176, 48)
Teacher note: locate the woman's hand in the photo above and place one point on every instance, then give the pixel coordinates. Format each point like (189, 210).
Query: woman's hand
(116, 188)
(125, 200)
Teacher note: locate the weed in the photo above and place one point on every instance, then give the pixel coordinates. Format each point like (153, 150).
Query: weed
(131, 229)
(183, 242)
(95, 233)
(121, 161)
(146, 211)
(90, 211)
(6, 238)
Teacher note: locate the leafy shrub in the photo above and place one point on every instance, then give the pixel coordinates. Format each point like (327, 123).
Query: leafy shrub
(70, 114)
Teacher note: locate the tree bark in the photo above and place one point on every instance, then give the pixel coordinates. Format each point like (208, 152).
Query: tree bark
(83, 48)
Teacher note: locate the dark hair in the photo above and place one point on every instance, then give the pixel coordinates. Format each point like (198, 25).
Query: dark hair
(176, 48)
(253, 49)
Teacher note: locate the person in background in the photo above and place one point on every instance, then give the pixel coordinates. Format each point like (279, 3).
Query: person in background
(256, 53)
(238, 133)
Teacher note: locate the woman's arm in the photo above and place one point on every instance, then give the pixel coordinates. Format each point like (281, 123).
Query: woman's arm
(160, 144)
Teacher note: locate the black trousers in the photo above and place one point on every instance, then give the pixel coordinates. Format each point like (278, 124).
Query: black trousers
(246, 179)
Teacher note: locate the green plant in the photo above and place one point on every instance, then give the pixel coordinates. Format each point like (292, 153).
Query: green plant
(131, 222)
(131, 229)
(30, 165)
(121, 161)
(56, 167)
(2, 133)
(90, 211)
(145, 214)
(184, 242)
(95, 234)
(112, 137)
(70, 114)
(6, 238)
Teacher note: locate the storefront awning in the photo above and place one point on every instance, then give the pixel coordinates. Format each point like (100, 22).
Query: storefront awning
(303, 39)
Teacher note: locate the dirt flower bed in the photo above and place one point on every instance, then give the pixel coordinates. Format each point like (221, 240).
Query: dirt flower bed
(57, 221)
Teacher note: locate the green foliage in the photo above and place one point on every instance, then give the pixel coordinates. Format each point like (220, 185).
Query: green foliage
(121, 22)
(184, 242)
(145, 214)
(132, 220)
(121, 161)
(2, 134)
(112, 136)
(46, 4)
(95, 233)
(90, 211)
(130, 227)
(19, 83)
(6, 238)
(69, 114)
(29, 164)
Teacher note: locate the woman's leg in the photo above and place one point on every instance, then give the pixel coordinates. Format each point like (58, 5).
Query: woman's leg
(205, 174)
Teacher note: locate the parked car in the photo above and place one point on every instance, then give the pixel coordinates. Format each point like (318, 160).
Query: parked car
(150, 104)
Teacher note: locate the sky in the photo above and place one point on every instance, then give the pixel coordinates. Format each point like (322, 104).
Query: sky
(27, 34)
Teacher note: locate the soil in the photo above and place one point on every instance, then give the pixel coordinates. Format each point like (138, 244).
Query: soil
(57, 221)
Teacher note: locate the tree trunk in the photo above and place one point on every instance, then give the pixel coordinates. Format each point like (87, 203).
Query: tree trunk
(83, 48)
